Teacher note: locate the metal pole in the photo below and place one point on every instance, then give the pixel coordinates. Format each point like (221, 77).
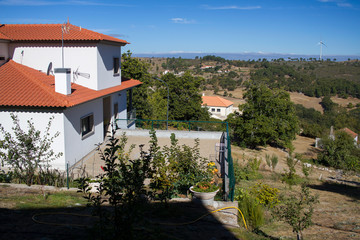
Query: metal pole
(167, 109)
(67, 175)
(62, 46)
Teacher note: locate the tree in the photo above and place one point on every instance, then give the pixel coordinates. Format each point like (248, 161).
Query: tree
(297, 210)
(27, 152)
(340, 152)
(268, 117)
(185, 99)
(327, 104)
(136, 69)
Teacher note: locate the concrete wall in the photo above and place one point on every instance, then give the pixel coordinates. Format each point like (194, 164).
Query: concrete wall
(76, 56)
(96, 60)
(105, 66)
(40, 120)
(76, 146)
(224, 111)
(207, 147)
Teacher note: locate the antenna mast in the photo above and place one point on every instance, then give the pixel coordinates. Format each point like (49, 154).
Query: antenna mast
(65, 28)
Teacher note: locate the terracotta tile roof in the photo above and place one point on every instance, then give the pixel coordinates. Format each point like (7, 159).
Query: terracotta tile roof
(351, 133)
(216, 101)
(24, 86)
(52, 32)
(3, 37)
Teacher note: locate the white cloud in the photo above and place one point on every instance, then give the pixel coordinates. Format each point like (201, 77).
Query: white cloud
(51, 3)
(344, 5)
(339, 3)
(231, 7)
(182, 21)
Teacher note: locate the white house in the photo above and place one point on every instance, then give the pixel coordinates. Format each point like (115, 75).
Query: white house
(67, 72)
(218, 107)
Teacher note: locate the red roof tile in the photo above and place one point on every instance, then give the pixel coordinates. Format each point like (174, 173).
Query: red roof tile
(52, 32)
(3, 37)
(351, 133)
(24, 86)
(216, 101)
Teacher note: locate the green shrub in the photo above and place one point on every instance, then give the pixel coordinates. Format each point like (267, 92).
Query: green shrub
(265, 195)
(6, 177)
(274, 161)
(248, 172)
(251, 208)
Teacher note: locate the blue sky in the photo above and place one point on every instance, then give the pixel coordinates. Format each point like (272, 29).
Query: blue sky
(227, 26)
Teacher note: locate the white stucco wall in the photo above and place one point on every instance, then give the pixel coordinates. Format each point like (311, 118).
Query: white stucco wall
(224, 111)
(40, 120)
(4, 51)
(77, 147)
(105, 57)
(76, 56)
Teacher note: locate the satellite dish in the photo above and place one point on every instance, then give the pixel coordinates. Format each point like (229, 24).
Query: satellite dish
(49, 69)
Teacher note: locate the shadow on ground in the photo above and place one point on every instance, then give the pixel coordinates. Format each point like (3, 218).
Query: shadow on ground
(343, 189)
(19, 224)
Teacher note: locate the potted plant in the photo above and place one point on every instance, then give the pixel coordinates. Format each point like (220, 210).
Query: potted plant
(206, 190)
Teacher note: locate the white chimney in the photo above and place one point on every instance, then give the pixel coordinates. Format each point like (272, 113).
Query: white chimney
(63, 80)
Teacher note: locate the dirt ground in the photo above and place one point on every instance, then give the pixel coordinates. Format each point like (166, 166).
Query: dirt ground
(297, 98)
(344, 102)
(337, 215)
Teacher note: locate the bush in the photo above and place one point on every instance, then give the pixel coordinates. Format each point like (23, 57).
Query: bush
(251, 208)
(6, 177)
(27, 152)
(265, 195)
(290, 177)
(249, 172)
(297, 210)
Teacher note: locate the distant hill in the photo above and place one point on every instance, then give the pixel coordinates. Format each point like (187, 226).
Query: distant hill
(245, 56)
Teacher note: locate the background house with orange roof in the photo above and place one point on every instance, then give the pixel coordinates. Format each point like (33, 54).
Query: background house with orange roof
(352, 134)
(66, 72)
(218, 107)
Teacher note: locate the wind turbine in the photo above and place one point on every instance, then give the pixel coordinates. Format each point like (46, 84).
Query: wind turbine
(321, 43)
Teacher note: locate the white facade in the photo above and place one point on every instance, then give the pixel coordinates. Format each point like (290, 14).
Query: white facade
(95, 59)
(68, 123)
(220, 112)
(40, 119)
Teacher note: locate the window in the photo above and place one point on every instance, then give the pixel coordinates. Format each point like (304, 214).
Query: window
(218, 110)
(213, 109)
(87, 125)
(116, 66)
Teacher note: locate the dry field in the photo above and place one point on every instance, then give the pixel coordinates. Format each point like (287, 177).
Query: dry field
(337, 215)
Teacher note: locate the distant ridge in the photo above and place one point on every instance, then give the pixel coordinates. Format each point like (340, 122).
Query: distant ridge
(246, 56)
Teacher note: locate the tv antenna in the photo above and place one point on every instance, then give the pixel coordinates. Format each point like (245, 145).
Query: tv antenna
(321, 43)
(76, 74)
(65, 29)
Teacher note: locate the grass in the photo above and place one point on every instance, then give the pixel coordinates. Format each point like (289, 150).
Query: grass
(49, 200)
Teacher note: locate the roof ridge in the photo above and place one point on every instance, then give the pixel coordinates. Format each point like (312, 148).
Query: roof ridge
(22, 69)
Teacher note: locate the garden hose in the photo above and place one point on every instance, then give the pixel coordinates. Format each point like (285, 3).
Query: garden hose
(191, 222)
(61, 213)
(84, 215)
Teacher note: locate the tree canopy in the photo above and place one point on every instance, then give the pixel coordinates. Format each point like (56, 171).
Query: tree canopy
(185, 98)
(136, 69)
(268, 117)
(340, 152)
